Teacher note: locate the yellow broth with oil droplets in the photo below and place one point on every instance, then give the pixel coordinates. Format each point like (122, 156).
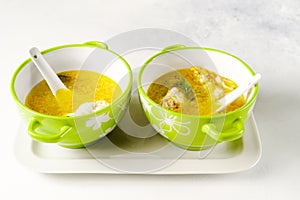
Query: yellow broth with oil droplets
(193, 91)
(84, 86)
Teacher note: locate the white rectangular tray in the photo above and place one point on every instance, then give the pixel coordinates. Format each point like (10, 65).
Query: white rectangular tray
(227, 157)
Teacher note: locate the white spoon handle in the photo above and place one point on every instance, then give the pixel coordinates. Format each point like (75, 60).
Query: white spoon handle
(226, 100)
(50, 76)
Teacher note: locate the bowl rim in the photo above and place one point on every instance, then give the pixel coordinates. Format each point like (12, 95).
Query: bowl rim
(90, 45)
(241, 109)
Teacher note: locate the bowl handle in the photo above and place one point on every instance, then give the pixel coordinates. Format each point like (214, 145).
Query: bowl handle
(173, 47)
(47, 137)
(236, 131)
(97, 44)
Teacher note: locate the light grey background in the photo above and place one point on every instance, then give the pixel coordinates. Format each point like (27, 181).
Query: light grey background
(266, 34)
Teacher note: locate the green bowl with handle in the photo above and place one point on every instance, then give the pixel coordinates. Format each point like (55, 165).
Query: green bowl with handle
(75, 131)
(189, 131)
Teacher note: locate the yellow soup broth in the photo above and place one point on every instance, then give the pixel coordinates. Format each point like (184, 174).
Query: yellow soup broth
(85, 86)
(192, 91)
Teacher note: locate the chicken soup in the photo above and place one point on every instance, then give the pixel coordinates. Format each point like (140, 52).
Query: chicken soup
(193, 91)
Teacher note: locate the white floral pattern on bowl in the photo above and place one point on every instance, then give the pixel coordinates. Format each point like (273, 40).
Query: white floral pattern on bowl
(96, 122)
(166, 122)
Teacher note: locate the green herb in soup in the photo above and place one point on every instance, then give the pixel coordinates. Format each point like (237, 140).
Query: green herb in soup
(84, 86)
(193, 91)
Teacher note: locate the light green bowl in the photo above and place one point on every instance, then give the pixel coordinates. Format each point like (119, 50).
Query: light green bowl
(77, 131)
(189, 131)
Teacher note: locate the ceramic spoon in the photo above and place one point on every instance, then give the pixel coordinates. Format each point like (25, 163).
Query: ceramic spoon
(62, 94)
(47, 72)
(226, 100)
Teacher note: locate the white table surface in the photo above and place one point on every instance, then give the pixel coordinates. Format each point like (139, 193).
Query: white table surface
(266, 34)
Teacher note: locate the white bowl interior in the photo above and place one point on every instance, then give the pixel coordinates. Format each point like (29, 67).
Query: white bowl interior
(221, 63)
(74, 58)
